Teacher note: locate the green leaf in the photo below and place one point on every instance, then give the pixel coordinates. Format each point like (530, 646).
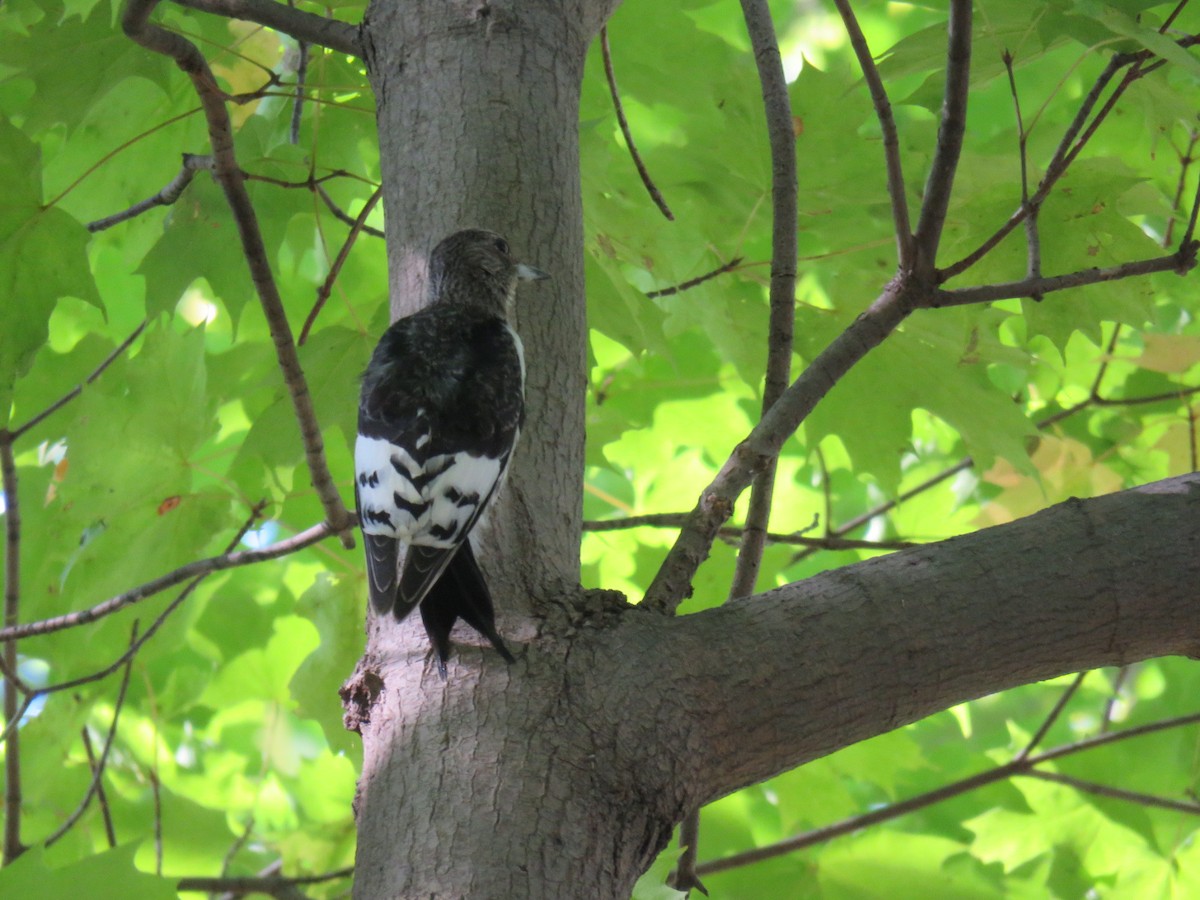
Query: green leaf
(42, 258)
(108, 875)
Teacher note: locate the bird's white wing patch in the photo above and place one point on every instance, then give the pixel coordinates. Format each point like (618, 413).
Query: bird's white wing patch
(432, 505)
(455, 498)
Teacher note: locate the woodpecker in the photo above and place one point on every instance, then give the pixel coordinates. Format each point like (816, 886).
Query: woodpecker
(442, 405)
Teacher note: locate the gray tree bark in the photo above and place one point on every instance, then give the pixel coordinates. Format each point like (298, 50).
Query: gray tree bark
(563, 775)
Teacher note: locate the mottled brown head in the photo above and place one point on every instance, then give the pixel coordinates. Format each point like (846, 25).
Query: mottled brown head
(475, 268)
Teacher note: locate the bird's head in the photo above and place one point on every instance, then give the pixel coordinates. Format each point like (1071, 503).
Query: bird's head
(476, 267)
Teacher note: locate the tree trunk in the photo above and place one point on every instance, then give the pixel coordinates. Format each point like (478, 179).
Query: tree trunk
(562, 775)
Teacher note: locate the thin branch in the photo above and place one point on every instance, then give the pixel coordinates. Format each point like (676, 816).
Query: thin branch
(137, 25)
(835, 536)
(12, 608)
(136, 646)
(200, 567)
(698, 280)
(1103, 790)
(1033, 243)
(1049, 721)
(782, 294)
(236, 847)
(301, 78)
(1110, 705)
(1069, 148)
(342, 215)
(1186, 158)
(156, 792)
(303, 26)
(651, 187)
(326, 287)
(921, 801)
(678, 520)
(108, 742)
(673, 581)
(101, 794)
(950, 137)
(684, 877)
(192, 163)
(78, 389)
(251, 884)
(891, 138)
(1180, 262)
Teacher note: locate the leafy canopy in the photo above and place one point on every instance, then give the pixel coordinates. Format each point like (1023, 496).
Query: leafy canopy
(230, 734)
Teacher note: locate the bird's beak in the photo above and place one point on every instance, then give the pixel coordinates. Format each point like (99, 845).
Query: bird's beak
(530, 273)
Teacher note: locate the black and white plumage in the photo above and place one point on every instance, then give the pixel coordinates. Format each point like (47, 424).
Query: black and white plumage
(441, 408)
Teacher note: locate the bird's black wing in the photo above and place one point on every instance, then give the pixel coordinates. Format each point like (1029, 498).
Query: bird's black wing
(472, 433)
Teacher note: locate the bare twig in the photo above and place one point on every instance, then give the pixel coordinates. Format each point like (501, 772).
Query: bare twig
(1186, 158)
(136, 645)
(684, 877)
(698, 280)
(673, 581)
(101, 794)
(137, 25)
(342, 215)
(1180, 262)
(98, 773)
(303, 26)
(1033, 244)
(207, 566)
(678, 520)
(12, 608)
(326, 287)
(782, 295)
(78, 389)
(301, 78)
(949, 140)
(156, 792)
(1049, 721)
(643, 173)
(1110, 705)
(249, 884)
(1073, 141)
(945, 792)
(1103, 790)
(887, 125)
(236, 847)
(192, 163)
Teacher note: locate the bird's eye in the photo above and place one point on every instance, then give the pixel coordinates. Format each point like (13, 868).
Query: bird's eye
(502, 245)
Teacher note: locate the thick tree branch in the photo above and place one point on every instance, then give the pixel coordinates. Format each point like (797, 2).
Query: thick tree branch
(859, 651)
(137, 25)
(891, 138)
(303, 26)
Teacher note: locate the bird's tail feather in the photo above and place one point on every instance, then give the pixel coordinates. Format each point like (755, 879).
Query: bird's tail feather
(460, 593)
